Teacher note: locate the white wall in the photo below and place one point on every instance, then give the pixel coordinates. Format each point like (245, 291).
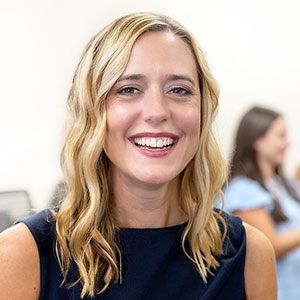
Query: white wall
(253, 48)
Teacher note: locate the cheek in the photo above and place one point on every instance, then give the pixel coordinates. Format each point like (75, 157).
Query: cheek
(118, 121)
(119, 118)
(189, 121)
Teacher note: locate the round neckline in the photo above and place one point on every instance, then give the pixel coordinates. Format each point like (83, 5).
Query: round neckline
(168, 228)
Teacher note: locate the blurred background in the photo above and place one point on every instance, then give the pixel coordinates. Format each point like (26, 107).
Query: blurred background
(252, 46)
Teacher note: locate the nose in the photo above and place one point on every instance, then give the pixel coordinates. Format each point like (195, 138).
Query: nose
(156, 108)
(287, 143)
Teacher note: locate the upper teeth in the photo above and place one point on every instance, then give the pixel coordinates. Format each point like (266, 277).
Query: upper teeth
(154, 142)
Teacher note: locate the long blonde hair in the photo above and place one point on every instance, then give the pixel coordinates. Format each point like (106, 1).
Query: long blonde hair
(86, 230)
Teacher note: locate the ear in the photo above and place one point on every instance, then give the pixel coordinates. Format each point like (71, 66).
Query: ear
(257, 144)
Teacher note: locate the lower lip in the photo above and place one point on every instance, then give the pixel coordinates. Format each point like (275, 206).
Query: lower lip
(155, 153)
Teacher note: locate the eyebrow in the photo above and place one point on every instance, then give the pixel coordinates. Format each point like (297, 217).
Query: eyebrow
(130, 77)
(172, 77)
(181, 77)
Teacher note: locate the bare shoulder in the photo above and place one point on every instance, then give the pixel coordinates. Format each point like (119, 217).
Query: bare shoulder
(19, 264)
(260, 266)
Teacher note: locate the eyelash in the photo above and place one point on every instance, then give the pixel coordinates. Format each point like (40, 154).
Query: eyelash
(182, 91)
(128, 90)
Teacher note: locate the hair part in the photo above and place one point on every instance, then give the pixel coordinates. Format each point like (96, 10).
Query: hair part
(86, 229)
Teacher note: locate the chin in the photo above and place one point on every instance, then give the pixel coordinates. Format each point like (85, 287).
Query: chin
(157, 179)
(280, 161)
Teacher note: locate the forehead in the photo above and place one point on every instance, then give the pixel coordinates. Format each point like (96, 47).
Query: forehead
(159, 52)
(278, 125)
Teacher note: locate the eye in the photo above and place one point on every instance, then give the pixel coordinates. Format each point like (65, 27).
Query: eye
(180, 91)
(128, 90)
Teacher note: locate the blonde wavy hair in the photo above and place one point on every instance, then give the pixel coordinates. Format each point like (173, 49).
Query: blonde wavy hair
(85, 228)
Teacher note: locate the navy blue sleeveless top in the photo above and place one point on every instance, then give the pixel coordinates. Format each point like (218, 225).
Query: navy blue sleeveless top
(154, 265)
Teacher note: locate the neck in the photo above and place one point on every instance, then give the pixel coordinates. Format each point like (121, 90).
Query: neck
(145, 205)
(267, 170)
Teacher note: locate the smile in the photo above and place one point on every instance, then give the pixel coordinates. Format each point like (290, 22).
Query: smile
(154, 144)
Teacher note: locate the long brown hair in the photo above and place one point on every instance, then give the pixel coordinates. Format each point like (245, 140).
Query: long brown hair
(253, 125)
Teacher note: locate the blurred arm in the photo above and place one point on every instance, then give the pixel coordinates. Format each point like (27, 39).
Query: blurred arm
(261, 219)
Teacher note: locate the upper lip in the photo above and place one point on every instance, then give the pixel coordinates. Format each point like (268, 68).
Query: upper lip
(154, 134)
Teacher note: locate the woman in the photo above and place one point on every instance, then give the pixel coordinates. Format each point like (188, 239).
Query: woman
(142, 170)
(261, 195)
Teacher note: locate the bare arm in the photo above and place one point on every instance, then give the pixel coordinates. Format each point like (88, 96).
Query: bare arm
(282, 242)
(19, 264)
(260, 267)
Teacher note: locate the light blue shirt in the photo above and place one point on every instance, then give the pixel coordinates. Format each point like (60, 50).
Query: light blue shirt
(244, 194)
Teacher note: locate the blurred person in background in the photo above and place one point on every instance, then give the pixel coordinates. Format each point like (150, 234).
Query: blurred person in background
(298, 174)
(142, 171)
(259, 192)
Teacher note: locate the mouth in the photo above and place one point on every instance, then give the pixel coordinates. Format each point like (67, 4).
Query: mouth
(154, 143)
